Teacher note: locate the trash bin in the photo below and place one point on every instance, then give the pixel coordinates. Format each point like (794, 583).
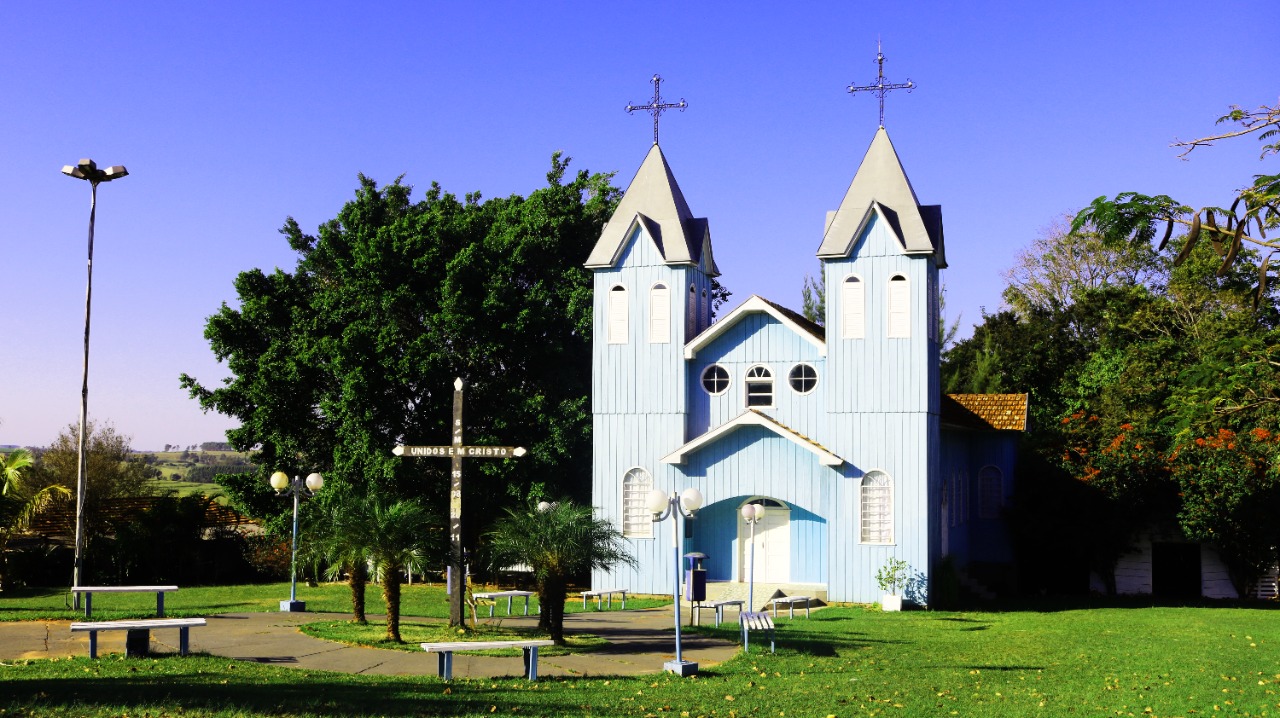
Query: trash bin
(695, 577)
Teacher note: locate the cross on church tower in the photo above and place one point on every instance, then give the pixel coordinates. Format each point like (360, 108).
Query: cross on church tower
(881, 88)
(656, 107)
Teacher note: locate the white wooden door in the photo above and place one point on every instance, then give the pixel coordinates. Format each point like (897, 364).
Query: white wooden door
(773, 547)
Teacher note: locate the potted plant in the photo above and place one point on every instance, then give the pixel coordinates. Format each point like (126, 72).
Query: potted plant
(891, 576)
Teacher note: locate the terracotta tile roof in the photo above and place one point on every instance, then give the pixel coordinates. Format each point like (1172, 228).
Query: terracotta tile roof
(1005, 412)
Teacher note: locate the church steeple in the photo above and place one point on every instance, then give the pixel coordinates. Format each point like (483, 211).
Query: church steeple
(653, 200)
(881, 187)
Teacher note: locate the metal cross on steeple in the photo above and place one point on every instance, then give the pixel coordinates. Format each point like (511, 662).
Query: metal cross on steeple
(881, 88)
(656, 107)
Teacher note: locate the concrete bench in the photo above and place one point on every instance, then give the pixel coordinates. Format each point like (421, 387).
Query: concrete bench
(790, 602)
(755, 621)
(493, 596)
(718, 607)
(88, 592)
(529, 647)
(142, 626)
(600, 594)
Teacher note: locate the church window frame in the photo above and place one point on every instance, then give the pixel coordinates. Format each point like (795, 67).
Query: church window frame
(898, 307)
(875, 508)
(758, 387)
(716, 380)
(853, 307)
(803, 379)
(637, 521)
(659, 313)
(617, 316)
(990, 492)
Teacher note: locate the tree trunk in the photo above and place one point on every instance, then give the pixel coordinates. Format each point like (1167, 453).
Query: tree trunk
(391, 594)
(551, 598)
(358, 579)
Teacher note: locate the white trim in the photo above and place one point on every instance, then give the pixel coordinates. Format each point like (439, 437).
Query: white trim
(753, 305)
(790, 378)
(702, 380)
(853, 307)
(660, 313)
(898, 302)
(873, 209)
(617, 321)
(752, 418)
(763, 373)
(887, 517)
(648, 533)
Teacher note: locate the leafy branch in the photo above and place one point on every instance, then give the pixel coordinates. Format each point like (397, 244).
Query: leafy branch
(1136, 217)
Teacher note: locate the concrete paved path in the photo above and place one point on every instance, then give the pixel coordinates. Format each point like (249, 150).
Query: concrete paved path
(640, 641)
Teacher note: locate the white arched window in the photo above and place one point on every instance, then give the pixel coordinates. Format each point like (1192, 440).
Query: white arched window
(659, 314)
(618, 315)
(877, 508)
(759, 382)
(637, 522)
(899, 306)
(990, 492)
(853, 302)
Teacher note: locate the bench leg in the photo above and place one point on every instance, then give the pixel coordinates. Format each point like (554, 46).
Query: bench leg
(531, 662)
(624, 600)
(791, 610)
(508, 605)
(746, 639)
(771, 646)
(93, 644)
(806, 609)
(88, 604)
(184, 636)
(445, 665)
(526, 605)
(584, 601)
(491, 607)
(160, 604)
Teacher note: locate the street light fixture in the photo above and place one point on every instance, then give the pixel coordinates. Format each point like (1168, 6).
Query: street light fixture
(752, 514)
(86, 169)
(661, 506)
(299, 489)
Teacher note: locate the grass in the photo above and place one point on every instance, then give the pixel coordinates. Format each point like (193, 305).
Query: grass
(413, 633)
(842, 662)
(185, 488)
(419, 599)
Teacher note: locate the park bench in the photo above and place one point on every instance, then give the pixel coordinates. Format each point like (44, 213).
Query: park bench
(790, 602)
(493, 596)
(755, 621)
(720, 605)
(528, 647)
(142, 627)
(600, 594)
(88, 592)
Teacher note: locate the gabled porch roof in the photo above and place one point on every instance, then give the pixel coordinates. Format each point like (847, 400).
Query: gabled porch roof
(752, 417)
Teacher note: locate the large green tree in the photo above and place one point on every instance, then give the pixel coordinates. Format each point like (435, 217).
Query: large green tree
(355, 350)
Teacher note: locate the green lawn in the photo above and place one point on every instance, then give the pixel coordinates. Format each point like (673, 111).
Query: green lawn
(841, 662)
(419, 599)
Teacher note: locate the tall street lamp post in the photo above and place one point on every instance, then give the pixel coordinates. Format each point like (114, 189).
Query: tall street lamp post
(86, 169)
(752, 514)
(661, 506)
(299, 489)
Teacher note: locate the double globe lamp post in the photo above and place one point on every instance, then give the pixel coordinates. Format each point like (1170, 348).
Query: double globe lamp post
(299, 489)
(662, 506)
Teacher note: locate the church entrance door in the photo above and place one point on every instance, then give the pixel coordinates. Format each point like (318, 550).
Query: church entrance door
(773, 544)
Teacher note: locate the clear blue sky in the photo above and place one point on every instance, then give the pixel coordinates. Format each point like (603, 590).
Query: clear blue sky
(231, 116)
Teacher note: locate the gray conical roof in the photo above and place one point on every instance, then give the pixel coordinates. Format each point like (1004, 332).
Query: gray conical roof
(654, 199)
(881, 181)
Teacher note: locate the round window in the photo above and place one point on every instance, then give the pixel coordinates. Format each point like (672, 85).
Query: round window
(803, 378)
(715, 379)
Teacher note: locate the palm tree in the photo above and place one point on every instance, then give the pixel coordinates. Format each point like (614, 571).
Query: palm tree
(17, 508)
(558, 541)
(340, 531)
(396, 540)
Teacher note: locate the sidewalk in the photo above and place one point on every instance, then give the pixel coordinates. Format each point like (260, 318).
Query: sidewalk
(640, 641)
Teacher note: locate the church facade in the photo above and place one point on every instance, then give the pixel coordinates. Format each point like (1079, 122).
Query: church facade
(840, 430)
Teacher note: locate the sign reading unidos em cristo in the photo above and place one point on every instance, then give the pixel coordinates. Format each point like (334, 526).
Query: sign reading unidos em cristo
(478, 452)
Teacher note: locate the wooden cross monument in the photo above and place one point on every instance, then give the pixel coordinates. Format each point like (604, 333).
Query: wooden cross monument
(456, 452)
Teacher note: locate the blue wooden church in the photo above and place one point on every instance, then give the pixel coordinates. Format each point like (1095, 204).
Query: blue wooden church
(841, 430)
